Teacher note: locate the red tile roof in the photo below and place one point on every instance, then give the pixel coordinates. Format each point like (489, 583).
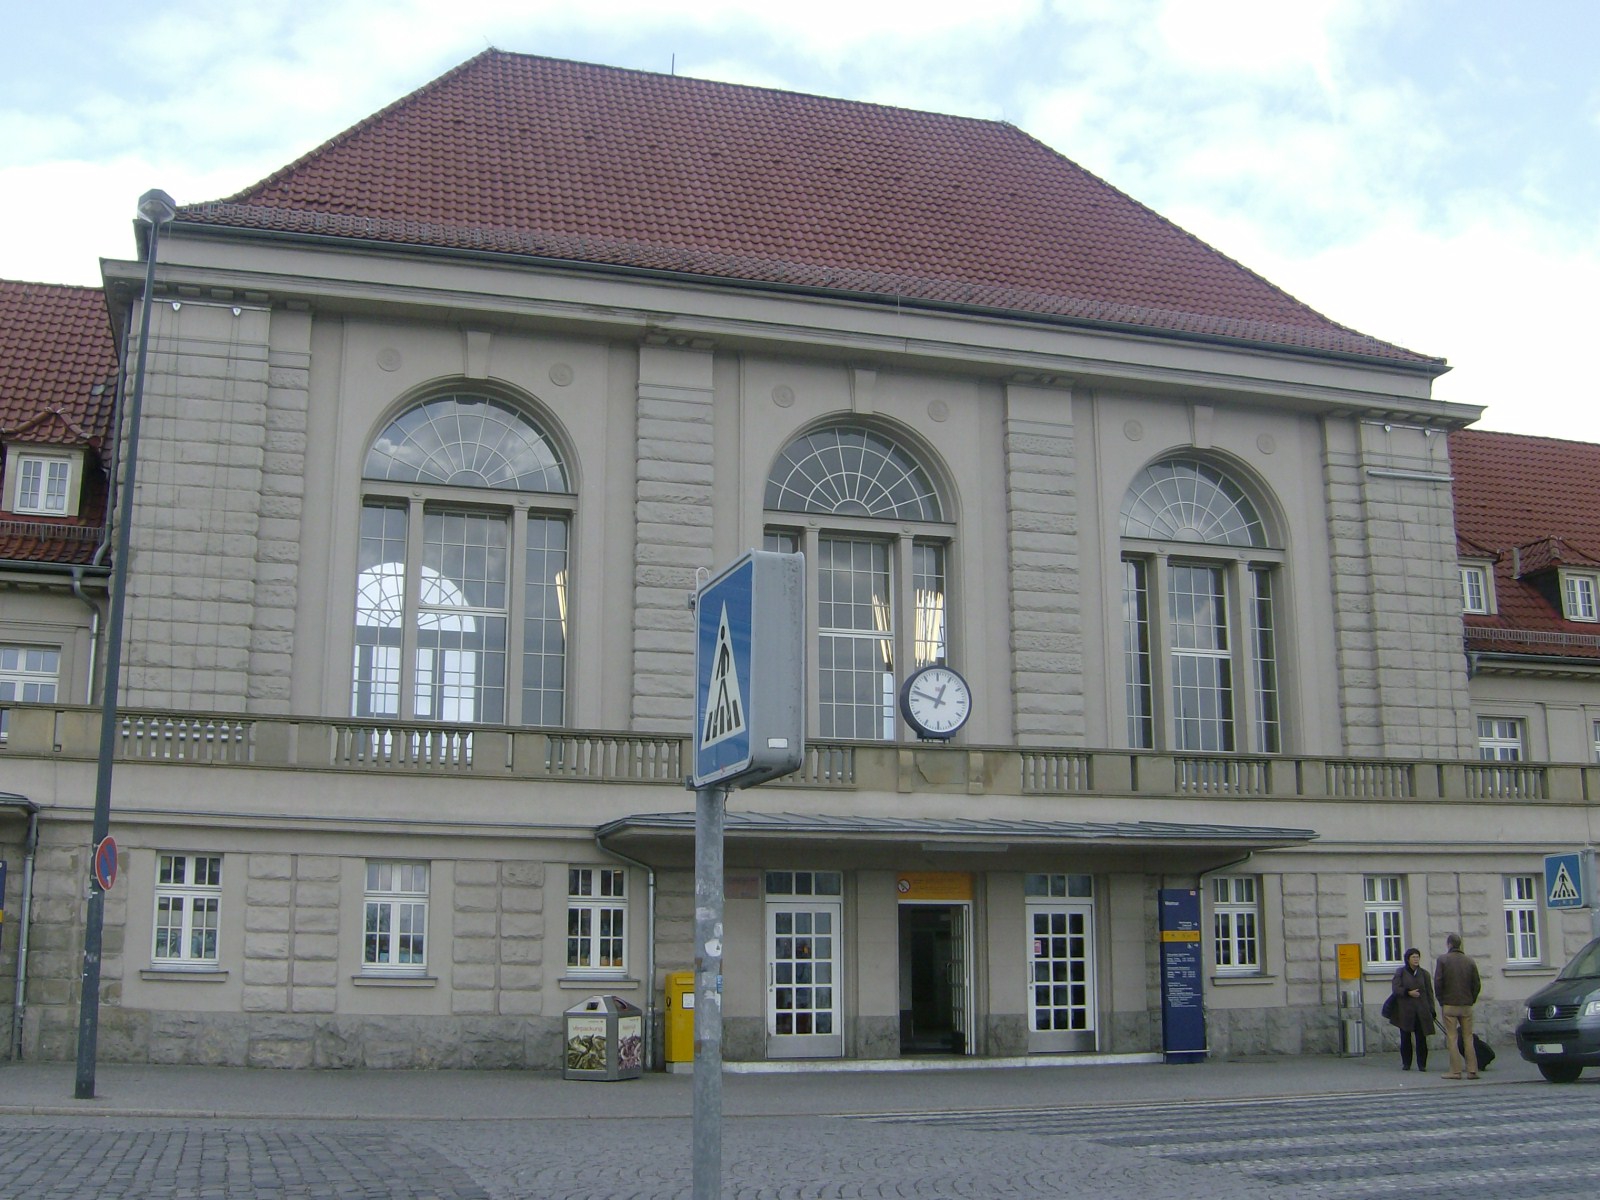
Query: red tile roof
(58, 363)
(58, 366)
(1532, 504)
(520, 155)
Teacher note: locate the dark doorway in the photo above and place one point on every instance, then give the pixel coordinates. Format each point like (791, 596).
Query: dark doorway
(930, 980)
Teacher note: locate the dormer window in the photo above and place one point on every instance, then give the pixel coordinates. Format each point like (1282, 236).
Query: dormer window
(1578, 590)
(1475, 594)
(42, 483)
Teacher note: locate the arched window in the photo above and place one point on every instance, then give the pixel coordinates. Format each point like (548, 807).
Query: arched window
(877, 563)
(1199, 583)
(461, 588)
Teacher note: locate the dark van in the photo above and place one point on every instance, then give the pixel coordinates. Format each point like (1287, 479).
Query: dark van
(1560, 1030)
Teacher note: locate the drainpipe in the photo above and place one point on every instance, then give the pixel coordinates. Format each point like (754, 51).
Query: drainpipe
(650, 948)
(30, 848)
(94, 623)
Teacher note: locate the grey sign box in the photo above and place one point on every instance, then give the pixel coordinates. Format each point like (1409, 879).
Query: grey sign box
(758, 606)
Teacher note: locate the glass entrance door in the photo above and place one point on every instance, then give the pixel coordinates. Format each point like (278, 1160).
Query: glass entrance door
(802, 978)
(1061, 991)
(935, 979)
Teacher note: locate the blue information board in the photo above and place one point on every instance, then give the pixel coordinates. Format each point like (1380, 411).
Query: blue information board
(1183, 1015)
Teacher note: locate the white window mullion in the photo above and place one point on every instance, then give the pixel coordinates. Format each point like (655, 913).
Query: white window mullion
(1156, 583)
(409, 639)
(516, 616)
(1238, 601)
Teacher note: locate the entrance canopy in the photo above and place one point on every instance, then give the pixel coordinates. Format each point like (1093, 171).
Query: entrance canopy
(667, 839)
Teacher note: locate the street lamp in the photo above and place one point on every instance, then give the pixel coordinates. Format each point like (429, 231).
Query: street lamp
(157, 208)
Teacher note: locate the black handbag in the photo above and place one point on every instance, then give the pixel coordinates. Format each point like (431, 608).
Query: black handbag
(1389, 1006)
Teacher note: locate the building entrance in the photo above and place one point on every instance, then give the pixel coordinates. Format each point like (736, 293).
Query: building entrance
(935, 979)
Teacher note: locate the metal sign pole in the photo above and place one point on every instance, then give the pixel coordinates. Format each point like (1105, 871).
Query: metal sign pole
(710, 804)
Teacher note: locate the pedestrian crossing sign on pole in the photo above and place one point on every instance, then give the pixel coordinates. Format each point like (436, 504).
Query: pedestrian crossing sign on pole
(1564, 881)
(750, 671)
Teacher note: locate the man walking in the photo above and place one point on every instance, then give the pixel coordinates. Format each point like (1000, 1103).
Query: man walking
(1456, 983)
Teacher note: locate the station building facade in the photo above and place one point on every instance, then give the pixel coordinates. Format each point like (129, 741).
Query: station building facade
(444, 422)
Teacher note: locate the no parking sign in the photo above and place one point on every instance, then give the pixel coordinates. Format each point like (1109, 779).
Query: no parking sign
(105, 863)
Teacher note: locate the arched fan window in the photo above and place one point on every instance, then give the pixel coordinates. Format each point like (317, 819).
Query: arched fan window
(461, 587)
(1185, 500)
(877, 561)
(1200, 627)
(851, 471)
(466, 441)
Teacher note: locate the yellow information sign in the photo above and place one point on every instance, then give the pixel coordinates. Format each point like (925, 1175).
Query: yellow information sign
(933, 885)
(1349, 955)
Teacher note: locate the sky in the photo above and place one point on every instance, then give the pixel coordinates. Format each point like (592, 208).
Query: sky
(1425, 171)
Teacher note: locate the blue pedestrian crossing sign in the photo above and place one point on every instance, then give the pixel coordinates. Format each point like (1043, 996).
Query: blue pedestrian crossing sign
(1564, 881)
(750, 671)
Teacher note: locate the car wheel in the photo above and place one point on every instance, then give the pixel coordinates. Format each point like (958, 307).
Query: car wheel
(1560, 1072)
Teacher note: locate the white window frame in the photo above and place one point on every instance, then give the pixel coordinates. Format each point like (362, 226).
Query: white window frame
(28, 675)
(1580, 596)
(1523, 895)
(1594, 727)
(61, 464)
(395, 911)
(1236, 924)
(187, 929)
(1502, 739)
(597, 922)
(1383, 926)
(1477, 589)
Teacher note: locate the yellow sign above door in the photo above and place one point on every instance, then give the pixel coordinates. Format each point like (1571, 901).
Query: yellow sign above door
(934, 885)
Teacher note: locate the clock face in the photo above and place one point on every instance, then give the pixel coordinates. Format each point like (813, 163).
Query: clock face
(936, 701)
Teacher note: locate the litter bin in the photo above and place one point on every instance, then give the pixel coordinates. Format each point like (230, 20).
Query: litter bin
(605, 1040)
(679, 1046)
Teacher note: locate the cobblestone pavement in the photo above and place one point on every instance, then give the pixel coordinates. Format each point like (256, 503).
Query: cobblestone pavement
(1520, 1140)
(1505, 1143)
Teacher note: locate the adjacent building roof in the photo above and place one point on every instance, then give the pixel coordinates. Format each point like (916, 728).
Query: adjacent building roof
(1529, 505)
(518, 155)
(58, 366)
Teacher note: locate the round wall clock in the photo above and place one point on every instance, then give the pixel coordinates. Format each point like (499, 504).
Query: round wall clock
(936, 702)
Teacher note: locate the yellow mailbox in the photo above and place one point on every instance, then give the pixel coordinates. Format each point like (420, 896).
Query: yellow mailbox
(680, 1017)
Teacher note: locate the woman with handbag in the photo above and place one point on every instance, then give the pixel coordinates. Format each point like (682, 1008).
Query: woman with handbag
(1411, 1009)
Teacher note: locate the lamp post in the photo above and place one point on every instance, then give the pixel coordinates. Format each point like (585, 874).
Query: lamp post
(157, 208)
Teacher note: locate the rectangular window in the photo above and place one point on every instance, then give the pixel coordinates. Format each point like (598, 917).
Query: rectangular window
(462, 618)
(1202, 670)
(445, 574)
(544, 623)
(1236, 924)
(396, 918)
(1384, 910)
(42, 485)
(1595, 733)
(928, 584)
(1580, 596)
(188, 903)
(805, 883)
(1136, 655)
(1076, 886)
(855, 651)
(1268, 727)
(28, 675)
(1474, 590)
(597, 914)
(1522, 918)
(1500, 739)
